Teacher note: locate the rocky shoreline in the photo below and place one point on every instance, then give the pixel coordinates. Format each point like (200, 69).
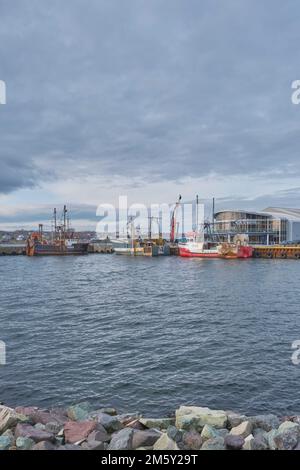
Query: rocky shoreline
(79, 427)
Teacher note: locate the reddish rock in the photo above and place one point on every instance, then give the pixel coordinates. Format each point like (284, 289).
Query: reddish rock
(145, 438)
(76, 431)
(46, 417)
(192, 440)
(37, 435)
(26, 410)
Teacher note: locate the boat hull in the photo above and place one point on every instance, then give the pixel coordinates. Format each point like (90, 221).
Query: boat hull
(238, 252)
(57, 250)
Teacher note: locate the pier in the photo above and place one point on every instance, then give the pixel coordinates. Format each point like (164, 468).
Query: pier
(12, 249)
(277, 252)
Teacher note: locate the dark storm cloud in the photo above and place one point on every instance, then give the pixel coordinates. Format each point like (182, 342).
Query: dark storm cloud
(154, 89)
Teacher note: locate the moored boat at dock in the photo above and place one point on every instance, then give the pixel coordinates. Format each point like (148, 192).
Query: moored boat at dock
(62, 241)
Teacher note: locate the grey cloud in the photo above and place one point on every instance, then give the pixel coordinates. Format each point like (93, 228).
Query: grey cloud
(157, 89)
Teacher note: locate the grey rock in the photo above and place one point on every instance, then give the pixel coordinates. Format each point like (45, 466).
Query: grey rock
(5, 442)
(217, 443)
(287, 436)
(174, 434)
(234, 442)
(146, 438)
(234, 419)
(24, 443)
(122, 440)
(110, 423)
(53, 427)
(99, 435)
(266, 422)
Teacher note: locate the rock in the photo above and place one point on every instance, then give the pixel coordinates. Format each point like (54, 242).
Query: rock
(243, 429)
(79, 412)
(76, 431)
(53, 427)
(165, 443)
(94, 445)
(45, 417)
(270, 439)
(175, 434)
(99, 435)
(9, 418)
(287, 436)
(249, 443)
(287, 425)
(110, 423)
(69, 447)
(44, 445)
(24, 443)
(109, 411)
(209, 432)
(135, 424)
(127, 418)
(37, 435)
(260, 443)
(5, 442)
(26, 410)
(193, 417)
(122, 440)
(266, 422)
(192, 440)
(234, 419)
(40, 426)
(157, 423)
(217, 443)
(234, 442)
(145, 438)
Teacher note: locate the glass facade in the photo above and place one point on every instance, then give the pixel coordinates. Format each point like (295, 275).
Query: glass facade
(261, 228)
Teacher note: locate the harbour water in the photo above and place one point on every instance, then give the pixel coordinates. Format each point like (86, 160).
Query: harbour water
(149, 334)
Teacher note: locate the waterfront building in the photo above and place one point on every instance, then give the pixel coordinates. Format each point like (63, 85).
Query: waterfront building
(271, 226)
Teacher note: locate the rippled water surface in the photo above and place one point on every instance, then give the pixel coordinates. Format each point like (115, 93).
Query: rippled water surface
(149, 334)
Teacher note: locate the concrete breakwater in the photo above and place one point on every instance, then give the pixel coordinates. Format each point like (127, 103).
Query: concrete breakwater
(78, 427)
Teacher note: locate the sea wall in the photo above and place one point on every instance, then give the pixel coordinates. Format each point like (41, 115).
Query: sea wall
(79, 427)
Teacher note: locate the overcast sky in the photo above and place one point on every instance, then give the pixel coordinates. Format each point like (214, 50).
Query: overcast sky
(149, 98)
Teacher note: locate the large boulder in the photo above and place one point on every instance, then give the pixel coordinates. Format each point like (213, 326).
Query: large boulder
(5, 442)
(122, 440)
(287, 436)
(24, 443)
(265, 422)
(209, 432)
(165, 443)
(110, 423)
(194, 417)
(9, 418)
(217, 443)
(146, 438)
(243, 429)
(234, 419)
(234, 442)
(37, 435)
(76, 431)
(192, 440)
(79, 412)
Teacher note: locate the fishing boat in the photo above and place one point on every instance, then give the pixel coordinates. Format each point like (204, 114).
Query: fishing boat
(195, 248)
(61, 243)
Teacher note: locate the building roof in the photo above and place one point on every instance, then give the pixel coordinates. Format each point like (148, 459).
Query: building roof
(291, 214)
